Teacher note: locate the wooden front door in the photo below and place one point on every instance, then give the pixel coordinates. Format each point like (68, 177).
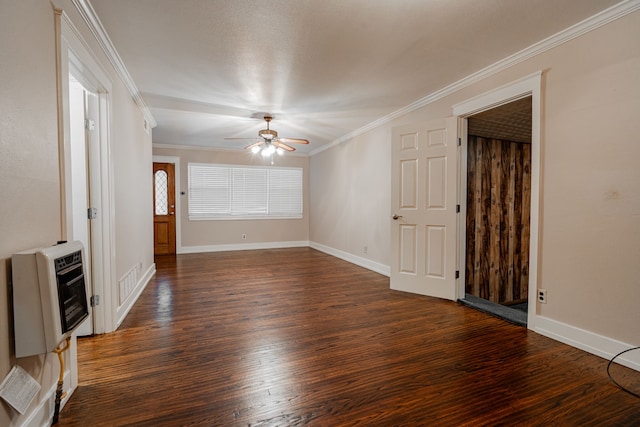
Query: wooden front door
(164, 212)
(423, 203)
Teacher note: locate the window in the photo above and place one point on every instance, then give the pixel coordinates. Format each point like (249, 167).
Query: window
(162, 194)
(244, 192)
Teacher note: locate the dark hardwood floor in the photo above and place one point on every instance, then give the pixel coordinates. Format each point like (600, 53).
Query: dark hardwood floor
(296, 337)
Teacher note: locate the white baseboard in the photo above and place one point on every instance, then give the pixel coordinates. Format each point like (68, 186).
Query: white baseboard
(383, 269)
(123, 309)
(588, 341)
(579, 338)
(362, 262)
(42, 414)
(242, 247)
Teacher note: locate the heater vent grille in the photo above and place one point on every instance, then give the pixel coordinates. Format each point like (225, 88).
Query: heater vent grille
(127, 284)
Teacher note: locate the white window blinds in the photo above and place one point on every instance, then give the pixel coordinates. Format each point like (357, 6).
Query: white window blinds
(244, 192)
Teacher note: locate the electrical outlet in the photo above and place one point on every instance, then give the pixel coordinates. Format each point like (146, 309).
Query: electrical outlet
(244, 236)
(542, 296)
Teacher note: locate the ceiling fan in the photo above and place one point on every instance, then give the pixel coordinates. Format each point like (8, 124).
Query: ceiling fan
(268, 142)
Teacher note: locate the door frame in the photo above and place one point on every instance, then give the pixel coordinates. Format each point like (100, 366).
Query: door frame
(176, 163)
(527, 86)
(75, 57)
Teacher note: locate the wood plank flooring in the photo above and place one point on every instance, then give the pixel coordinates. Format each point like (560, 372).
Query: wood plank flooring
(293, 337)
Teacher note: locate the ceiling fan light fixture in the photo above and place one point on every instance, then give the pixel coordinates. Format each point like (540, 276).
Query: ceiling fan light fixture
(268, 150)
(269, 143)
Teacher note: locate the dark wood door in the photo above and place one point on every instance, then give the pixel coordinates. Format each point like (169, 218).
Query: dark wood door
(164, 212)
(498, 210)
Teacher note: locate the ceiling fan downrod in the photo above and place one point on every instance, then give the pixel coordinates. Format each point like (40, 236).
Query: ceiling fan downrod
(267, 133)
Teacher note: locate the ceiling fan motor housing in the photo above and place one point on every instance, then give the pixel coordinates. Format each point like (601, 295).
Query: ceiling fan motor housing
(268, 134)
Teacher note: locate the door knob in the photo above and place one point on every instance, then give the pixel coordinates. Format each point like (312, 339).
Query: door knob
(396, 217)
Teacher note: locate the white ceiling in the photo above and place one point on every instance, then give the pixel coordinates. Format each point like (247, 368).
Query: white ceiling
(210, 69)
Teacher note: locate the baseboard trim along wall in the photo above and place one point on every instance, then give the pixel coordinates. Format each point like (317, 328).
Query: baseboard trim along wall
(383, 269)
(575, 337)
(590, 342)
(132, 297)
(42, 414)
(242, 247)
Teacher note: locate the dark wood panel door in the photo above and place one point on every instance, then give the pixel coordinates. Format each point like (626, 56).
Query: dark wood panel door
(498, 211)
(164, 212)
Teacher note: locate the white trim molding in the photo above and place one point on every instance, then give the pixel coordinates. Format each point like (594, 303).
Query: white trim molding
(383, 269)
(217, 149)
(594, 22)
(588, 341)
(41, 414)
(74, 56)
(242, 247)
(90, 17)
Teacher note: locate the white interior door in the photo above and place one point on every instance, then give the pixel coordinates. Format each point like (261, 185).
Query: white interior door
(81, 126)
(423, 208)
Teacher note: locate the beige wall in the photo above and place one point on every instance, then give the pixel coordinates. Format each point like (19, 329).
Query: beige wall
(350, 196)
(199, 234)
(133, 200)
(590, 192)
(29, 189)
(29, 171)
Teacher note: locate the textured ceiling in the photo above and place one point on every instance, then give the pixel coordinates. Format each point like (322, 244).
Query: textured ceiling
(510, 122)
(210, 69)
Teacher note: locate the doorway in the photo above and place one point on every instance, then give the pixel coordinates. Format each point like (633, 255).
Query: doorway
(498, 210)
(526, 87)
(86, 169)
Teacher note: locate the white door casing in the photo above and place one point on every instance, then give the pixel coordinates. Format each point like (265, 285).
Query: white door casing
(75, 59)
(527, 86)
(423, 208)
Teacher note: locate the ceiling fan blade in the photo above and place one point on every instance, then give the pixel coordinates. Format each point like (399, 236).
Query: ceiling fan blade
(293, 140)
(283, 146)
(249, 147)
(246, 139)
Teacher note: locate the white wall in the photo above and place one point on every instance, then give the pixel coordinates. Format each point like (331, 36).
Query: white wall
(30, 175)
(590, 197)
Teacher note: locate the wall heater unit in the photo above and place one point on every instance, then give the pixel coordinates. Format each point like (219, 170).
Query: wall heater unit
(49, 296)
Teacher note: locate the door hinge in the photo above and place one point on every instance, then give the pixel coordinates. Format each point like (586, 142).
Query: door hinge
(94, 300)
(459, 142)
(457, 208)
(457, 274)
(92, 213)
(89, 124)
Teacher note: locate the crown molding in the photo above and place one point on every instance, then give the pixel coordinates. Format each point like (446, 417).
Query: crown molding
(594, 22)
(90, 17)
(203, 148)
